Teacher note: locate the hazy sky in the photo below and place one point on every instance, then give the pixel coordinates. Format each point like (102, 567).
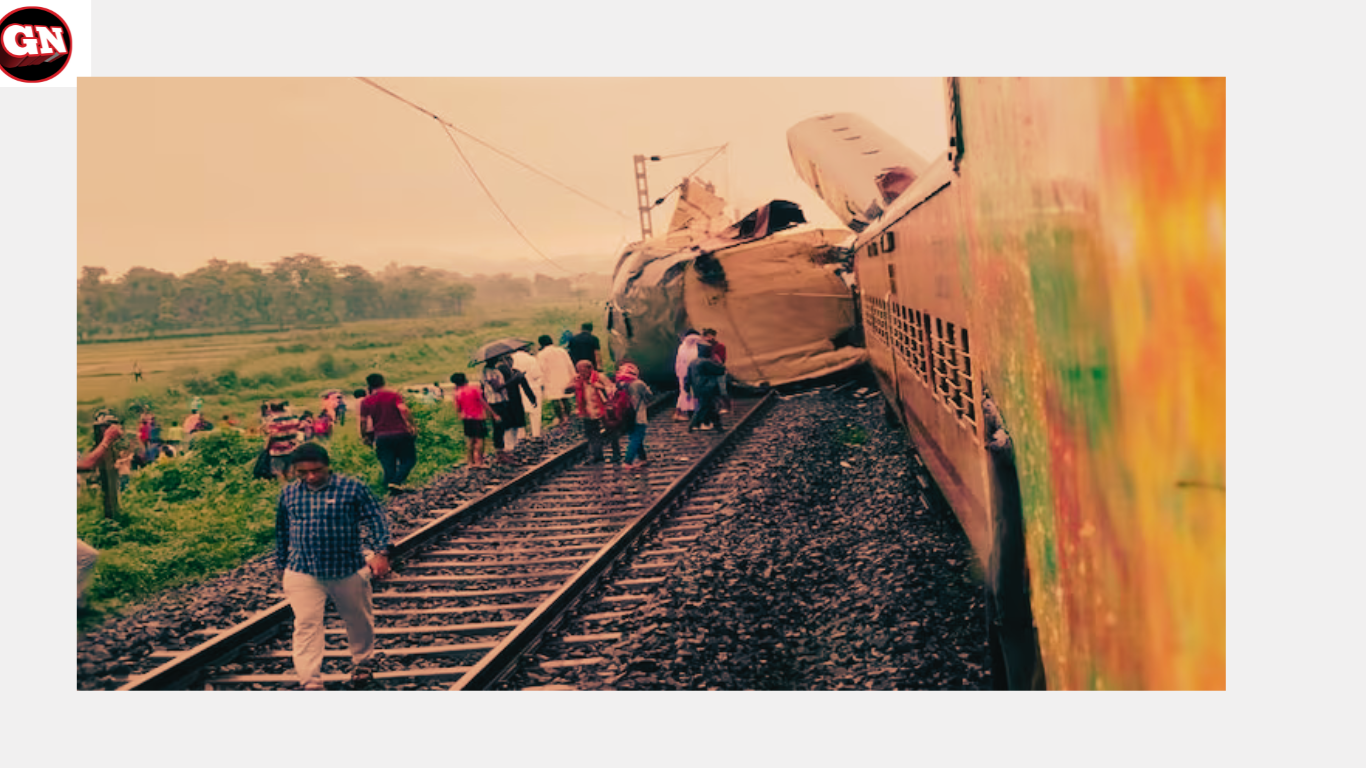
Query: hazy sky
(175, 171)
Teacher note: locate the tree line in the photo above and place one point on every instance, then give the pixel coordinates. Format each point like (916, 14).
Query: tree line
(302, 289)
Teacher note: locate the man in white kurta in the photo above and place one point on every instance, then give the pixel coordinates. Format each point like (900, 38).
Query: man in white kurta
(557, 375)
(524, 362)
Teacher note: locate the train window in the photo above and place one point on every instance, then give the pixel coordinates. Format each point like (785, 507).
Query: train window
(917, 349)
(925, 349)
(626, 323)
(611, 315)
(902, 337)
(893, 327)
(888, 242)
(953, 373)
(891, 276)
(872, 249)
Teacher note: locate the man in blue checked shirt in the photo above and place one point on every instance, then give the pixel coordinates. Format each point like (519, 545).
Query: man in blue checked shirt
(320, 521)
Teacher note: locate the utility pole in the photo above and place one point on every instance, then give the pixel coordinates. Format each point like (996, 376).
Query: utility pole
(643, 200)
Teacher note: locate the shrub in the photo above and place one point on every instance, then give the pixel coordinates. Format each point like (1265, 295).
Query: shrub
(329, 367)
(136, 406)
(200, 385)
(228, 379)
(294, 373)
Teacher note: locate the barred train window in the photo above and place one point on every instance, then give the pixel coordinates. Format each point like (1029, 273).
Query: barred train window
(925, 348)
(952, 370)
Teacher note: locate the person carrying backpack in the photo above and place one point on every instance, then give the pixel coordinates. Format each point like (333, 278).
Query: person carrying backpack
(592, 391)
(637, 394)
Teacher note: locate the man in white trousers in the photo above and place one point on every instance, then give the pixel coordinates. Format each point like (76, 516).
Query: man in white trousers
(524, 362)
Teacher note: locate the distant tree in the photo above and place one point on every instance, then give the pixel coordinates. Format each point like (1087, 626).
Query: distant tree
(301, 290)
(93, 301)
(456, 294)
(142, 291)
(167, 318)
(359, 293)
(248, 294)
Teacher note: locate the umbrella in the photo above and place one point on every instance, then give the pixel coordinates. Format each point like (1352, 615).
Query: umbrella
(497, 349)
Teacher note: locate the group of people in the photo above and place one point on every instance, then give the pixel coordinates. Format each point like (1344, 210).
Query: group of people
(332, 537)
(701, 369)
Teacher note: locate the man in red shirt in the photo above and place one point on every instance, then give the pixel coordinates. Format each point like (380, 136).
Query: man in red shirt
(386, 424)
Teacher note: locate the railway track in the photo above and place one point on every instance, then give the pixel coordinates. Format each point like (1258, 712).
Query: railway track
(481, 586)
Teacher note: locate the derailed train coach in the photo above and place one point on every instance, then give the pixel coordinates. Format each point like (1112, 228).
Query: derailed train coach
(1043, 306)
(771, 288)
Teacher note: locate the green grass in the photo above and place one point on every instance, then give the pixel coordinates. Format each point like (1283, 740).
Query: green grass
(233, 373)
(187, 519)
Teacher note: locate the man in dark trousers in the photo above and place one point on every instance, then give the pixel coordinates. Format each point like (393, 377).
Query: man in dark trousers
(386, 423)
(704, 380)
(321, 521)
(585, 346)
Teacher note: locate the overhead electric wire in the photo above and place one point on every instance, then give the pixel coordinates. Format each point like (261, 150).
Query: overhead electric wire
(656, 158)
(493, 200)
(447, 126)
(496, 149)
(675, 188)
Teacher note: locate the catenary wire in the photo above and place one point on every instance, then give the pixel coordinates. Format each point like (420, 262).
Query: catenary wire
(492, 147)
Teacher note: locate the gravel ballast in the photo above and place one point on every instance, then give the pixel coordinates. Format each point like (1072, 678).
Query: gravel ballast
(830, 568)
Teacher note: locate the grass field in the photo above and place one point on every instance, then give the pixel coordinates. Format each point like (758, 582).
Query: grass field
(245, 368)
(189, 518)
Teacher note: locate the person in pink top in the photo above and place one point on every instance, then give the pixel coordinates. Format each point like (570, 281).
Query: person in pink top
(474, 411)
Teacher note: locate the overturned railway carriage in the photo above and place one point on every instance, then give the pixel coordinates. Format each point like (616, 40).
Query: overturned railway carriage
(1044, 305)
(769, 288)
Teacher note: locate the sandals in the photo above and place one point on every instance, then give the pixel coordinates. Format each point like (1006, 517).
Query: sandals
(361, 677)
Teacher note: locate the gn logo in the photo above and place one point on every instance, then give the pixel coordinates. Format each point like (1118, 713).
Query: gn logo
(35, 44)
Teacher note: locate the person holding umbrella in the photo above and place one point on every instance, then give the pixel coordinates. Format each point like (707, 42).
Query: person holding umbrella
(501, 386)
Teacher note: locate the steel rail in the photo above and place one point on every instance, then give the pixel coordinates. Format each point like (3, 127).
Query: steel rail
(495, 665)
(187, 666)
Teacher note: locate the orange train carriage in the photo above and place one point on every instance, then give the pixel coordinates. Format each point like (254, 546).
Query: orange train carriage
(1044, 305)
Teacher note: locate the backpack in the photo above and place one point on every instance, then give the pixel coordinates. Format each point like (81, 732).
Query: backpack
(617, 413)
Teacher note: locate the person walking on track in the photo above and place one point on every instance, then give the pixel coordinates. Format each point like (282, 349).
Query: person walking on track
(592, 391)
(321, 521)
(386, 423)
(628, 376)
(533, 398)
(558, 371)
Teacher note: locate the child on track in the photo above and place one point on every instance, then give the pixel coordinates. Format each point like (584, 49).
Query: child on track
(474, 411)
